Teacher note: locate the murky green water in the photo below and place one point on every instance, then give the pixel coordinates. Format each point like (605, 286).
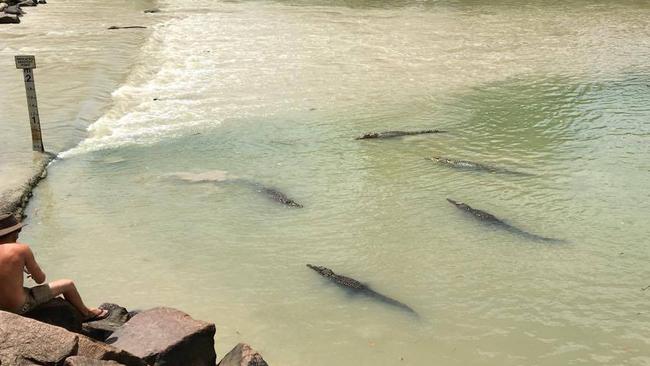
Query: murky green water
(276, 92)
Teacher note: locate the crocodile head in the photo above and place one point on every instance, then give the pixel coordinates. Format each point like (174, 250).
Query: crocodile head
(370, 135)
(323, 271)
(460, 205)
(455, 203)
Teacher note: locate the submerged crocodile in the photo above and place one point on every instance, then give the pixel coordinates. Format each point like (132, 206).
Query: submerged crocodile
(222, 177)
(276, 195)
(391, 134)
(112, 27)
(470, 165)
(358, 287)
(493, 220)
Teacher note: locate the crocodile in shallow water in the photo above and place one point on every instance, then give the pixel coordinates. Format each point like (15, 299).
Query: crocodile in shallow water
(276, 195)
(470, 165)
(358, 287)
(493, 220)
(127, 27)
(222, 177)
(391, 134)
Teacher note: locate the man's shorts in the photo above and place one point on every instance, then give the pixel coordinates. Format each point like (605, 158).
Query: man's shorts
(35, 296)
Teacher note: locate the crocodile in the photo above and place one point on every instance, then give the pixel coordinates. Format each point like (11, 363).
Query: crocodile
(112, 27)
(493, 220)
(276, 195)
(391, 134)
(470, 165)
(222, 177)
(359, 288)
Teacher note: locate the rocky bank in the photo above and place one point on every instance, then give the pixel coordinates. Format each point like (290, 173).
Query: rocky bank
(11, 10)
(55, 335)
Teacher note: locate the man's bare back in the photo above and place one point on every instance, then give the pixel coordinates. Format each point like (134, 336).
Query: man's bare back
(12, 264)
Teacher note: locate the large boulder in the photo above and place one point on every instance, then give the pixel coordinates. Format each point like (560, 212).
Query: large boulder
(24, 341)
(93, 349)
(101, 329)
(242, 355)
(9, 19)
(14, 10)
(58, 312)
(85, 361)
(169, 337)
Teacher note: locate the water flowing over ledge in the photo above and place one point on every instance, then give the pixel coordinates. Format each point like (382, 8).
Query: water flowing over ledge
(79, 63)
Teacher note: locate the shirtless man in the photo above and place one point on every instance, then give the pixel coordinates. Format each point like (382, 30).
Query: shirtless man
(16, 258)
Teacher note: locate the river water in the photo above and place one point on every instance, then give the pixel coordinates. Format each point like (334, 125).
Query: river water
(151, 208)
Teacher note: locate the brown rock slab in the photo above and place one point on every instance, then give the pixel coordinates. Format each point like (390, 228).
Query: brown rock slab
(85, 361)
(58, 312)
(9, 19)
(166, 336)
(24, 341)
(96, 350)
(242, 355)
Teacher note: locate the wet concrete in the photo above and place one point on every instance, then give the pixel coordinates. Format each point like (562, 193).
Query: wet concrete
(15, 193)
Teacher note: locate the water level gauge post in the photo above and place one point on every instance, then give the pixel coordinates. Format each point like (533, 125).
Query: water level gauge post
(28, 64)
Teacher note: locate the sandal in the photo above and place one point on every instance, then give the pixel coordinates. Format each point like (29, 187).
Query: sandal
(103, 314)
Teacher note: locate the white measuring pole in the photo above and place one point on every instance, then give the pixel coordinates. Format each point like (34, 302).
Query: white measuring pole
(28, 63)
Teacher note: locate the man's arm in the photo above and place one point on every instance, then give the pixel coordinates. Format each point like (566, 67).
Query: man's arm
(32, 267)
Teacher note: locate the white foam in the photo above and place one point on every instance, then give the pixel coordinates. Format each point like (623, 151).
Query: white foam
(161, 99)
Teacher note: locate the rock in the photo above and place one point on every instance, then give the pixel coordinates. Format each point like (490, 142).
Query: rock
(169, 337)
(85, 361)
(42, 2)
(58, 312)
(242, 355)
(150, 11)
(133, 313)
(93, 349)
(9, 19)
(101, 329)
(3, 6)
(118, 314)
(28, 3)
(28, 363)
(14, 10)
(23, 339)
